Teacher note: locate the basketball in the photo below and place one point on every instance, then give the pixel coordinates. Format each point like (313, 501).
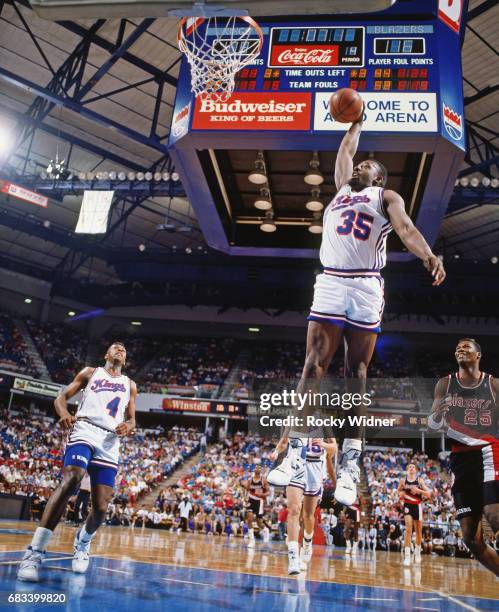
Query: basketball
(346, 105)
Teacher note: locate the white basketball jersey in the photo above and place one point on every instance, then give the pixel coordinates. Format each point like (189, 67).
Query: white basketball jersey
(105, 399)
(355, 228)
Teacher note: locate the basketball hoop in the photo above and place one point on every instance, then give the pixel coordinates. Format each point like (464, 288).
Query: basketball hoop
(216, 49)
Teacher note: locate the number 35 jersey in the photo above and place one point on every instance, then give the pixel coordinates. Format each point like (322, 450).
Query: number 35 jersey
(355, 228)
(105, 399)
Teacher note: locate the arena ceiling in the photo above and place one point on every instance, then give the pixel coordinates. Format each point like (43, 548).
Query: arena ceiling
(102, 91)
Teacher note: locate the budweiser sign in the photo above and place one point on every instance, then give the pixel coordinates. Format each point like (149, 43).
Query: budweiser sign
(304, 55)
(255, 111)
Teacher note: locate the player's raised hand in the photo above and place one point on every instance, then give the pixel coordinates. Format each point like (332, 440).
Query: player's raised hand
(435, 267)
(66, 421)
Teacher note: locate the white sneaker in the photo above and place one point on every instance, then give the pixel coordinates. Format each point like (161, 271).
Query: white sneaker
(293, 462)
(30, 565)
(417, 557)
(281, 475)
(355, 548)
(346, 484)
(306, 553)
(407, 560)
(294, 566)
(303, 566)
(348, 548)
(251, 543)
(81, 558)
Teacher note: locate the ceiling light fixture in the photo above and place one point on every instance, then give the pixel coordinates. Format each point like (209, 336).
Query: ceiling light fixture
(268, 225)
(314, 204)
(258, 176)
(316, 226)
(313, 175)
(263, 201)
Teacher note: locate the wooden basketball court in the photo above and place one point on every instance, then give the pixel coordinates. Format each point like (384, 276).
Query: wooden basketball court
(147, 569)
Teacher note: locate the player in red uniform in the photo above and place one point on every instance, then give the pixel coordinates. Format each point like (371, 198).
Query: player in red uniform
(258, 490)
(351, 530)
(466, 405)
(412, 490)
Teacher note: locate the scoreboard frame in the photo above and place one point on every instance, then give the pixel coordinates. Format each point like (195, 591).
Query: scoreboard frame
(251, 119)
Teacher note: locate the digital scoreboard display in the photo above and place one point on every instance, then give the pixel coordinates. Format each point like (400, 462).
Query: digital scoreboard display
(406, 68)
(316, 47)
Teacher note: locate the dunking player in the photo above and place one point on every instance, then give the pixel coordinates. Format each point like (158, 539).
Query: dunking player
(466, 405)
(258, 490)
(348, 295)
(93, 446)
(412, 490)
(303, 494)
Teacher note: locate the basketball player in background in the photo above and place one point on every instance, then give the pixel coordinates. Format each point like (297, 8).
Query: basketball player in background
(412, 490)
(348, 295)
(257, 490)
(304, 493)
(466, 406)
(351, 530)
(106, 413)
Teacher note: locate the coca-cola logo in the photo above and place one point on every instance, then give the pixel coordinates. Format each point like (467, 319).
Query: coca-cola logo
(304, 55)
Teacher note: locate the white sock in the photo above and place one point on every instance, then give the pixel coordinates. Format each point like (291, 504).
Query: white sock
(293, 549)
(307, 537)
(41, 538)
(418, 550)
(84, 535)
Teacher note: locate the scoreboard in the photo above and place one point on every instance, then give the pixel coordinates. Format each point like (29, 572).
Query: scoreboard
(404, 61)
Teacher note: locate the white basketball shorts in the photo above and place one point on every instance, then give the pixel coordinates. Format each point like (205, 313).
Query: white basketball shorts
(105, 445)
(349, 299)
(310, 479)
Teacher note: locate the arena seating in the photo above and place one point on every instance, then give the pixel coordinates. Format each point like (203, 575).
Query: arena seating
(13, 354)
(31, 452)
(63, 349)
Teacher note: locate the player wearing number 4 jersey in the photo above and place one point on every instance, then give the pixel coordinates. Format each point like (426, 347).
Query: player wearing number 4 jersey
(466, 404)
(106, 413)
(348, 294)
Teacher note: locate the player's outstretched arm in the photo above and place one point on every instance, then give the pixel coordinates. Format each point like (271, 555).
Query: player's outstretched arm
(128, 426)
(412, 237)
(440, 405)
(61, 401)
(344, 160)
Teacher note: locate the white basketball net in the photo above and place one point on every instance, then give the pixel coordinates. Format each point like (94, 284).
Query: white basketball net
(215, 62)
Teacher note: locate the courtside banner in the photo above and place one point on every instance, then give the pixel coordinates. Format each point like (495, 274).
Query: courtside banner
(255, 111)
